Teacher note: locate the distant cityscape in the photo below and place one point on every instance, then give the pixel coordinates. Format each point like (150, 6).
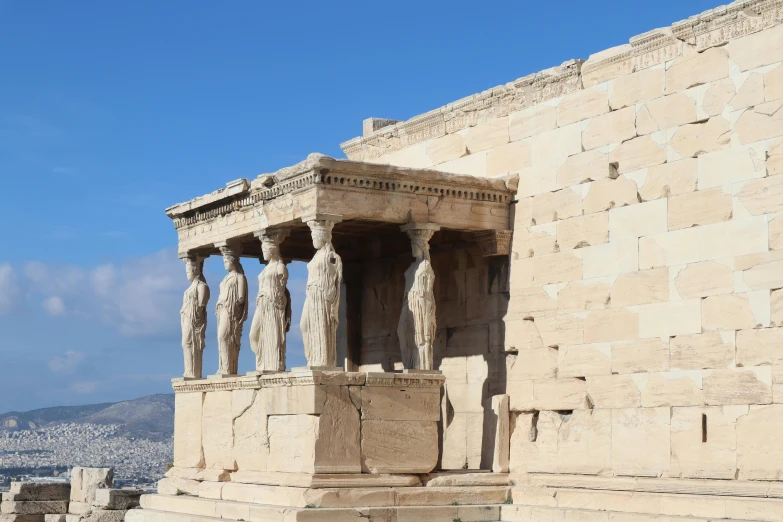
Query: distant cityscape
(53, 449)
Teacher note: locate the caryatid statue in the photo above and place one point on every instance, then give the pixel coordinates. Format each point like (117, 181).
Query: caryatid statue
(231, 309)
(417, 326)
(272, 317)
(193, 317)
(322, 298)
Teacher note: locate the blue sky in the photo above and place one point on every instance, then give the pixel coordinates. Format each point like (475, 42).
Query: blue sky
(112, 111)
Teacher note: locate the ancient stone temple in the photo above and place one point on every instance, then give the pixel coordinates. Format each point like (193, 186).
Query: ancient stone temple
(560, 299)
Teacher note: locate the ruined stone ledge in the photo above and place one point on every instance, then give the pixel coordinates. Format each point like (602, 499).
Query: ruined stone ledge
(308, 378)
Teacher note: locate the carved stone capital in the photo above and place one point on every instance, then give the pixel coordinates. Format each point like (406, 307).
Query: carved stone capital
(272, 235)
(321, 216)
(229, 248)
(420, 231)
(494, 242)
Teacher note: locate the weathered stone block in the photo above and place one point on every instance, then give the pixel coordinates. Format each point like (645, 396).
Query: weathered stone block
(760, 122)
(116, 498)
(737, 237)
(731, 165)
(33, 507)
(581, 296)
(762, 196)
(24, 491)
(583, 167)
(535, 364)
(704, 279)
(554, 206)
(487, 135)
(85, 481)
(669, 249)
(500, 448)
(666, 112)
(695, 139)
(763, 346)
(609, 193)
(703, 443)
(610, 259)
(702, 207)
(584, 442)
(555, 394)
(640, 441)
(759, 452)
(631, 89)
(251, 440)
(173, 486)
(380, 403)
(642, 287)
(669, 179)
(773, 84)
(673, 388)
(188, 451)
(640, 355)
(731, 311)
(738, 386)
(399, 446)
(717, 96)
(582, 105)
(446, 148)
(217, 431)
(512, 157)
(557, 268)
(639, 153)
(757, 49)
(670, 319)
(615, 324)
(749, 94)
(698, 69)
(614, 391)
(584, 360)
(533, 121)
(292, 443)
(614, 127)
(702, 351)
(534, 440)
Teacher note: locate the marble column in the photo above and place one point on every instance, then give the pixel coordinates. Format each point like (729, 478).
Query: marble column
(417, 326)
(272, 318)
(320, 315)
(193, 317)
(231, 309)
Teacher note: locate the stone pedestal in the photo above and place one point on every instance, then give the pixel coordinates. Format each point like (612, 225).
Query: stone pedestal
(309, 421)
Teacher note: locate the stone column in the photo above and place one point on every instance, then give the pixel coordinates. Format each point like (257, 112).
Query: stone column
(320, 314)
(417, 326)
(272, 318)
(193, 316)
(231, 309)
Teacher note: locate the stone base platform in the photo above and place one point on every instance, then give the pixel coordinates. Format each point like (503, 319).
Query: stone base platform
(433, 497)
(609, 499)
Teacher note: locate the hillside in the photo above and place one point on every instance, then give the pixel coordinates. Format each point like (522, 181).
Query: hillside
(150, 417)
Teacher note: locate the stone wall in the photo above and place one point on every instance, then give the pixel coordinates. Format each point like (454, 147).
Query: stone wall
(471, 292)
(645, 319)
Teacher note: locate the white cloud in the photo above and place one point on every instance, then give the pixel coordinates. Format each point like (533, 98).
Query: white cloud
(66, 363)
(54, 306)
(9, 289)
(139, 296)
(84, 387)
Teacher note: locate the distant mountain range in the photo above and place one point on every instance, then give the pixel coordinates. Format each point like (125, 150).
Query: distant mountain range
(150, 417)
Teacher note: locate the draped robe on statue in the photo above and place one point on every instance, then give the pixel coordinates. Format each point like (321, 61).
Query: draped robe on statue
(272, 318)
(231, 312)
(193, 318)
(322, 301)
(417, 326)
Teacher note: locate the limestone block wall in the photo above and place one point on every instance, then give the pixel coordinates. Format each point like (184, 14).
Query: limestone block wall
(471, 294)
(644, 329)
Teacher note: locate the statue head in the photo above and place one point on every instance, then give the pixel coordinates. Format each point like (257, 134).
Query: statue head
(194, 267)
(420, 247)
(321, 232)
(270, 249)
(231, 253)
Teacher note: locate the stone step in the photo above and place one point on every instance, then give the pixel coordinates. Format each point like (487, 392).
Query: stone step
(398, 514)
(733, 488)
(528, 513)
(352, 497)
(643, 503)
